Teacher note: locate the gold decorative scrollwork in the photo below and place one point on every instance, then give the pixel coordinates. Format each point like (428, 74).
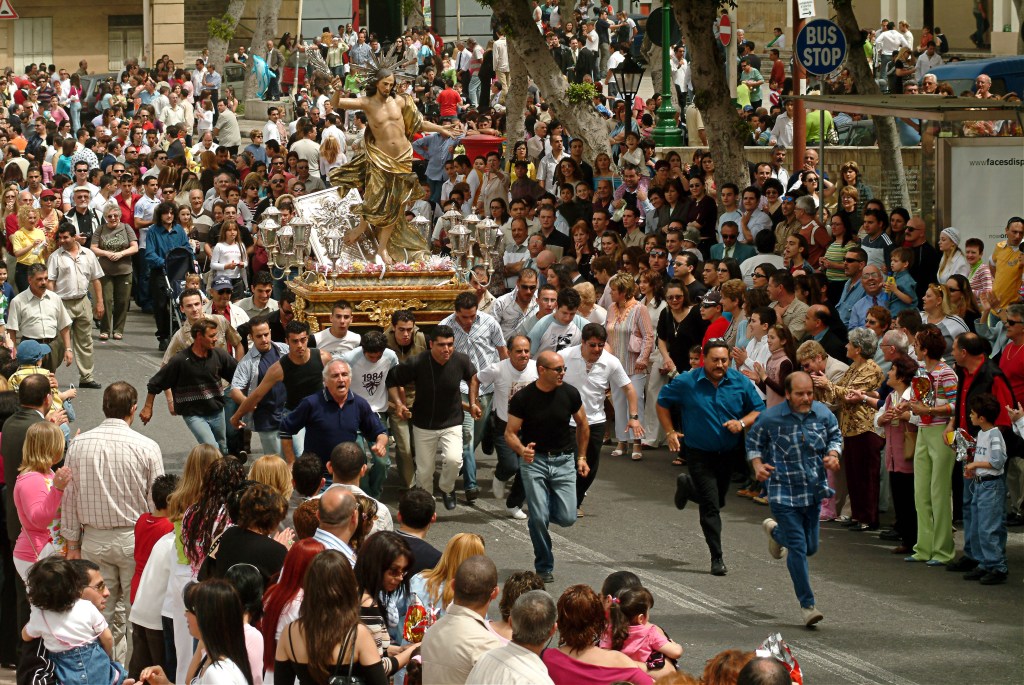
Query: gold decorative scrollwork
(380, 311)
(299, 307)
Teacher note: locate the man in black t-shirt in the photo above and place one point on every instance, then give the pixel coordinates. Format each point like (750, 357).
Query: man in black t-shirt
(538, 431)
(437, 415)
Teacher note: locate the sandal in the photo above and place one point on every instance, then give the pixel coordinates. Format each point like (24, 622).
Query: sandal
(118, 336)
(679, 461)
(637, 456)
(104, 337)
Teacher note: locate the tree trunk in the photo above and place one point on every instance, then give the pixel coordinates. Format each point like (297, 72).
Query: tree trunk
(515, 101)
(414, 18)
(724, 128)
(217, 46)
(652, 53)
(896, 194)
(523, 37)
(1019, 5)
(266, 29)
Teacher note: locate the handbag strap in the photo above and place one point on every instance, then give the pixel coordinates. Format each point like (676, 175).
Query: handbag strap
(344, 648)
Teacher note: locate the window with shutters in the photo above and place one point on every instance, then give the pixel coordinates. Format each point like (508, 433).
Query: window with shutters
(33, 42)
(124, 40)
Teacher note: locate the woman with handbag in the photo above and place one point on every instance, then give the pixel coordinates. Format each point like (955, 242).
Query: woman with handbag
(631, 339)
(328, 645)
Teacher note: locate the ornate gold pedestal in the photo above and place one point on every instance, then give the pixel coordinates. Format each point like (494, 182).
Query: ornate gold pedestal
(429, 295)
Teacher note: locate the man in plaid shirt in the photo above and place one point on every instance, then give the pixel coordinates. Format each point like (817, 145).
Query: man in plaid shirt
(790, 446)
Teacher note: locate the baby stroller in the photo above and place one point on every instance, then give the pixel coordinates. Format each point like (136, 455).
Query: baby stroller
(179, 263)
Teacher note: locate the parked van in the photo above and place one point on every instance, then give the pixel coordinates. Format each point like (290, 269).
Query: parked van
(1007, 74)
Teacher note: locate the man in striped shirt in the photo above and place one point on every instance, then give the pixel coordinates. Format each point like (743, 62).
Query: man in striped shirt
(790, 446)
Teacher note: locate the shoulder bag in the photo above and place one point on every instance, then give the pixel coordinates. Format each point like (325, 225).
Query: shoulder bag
(348, 679)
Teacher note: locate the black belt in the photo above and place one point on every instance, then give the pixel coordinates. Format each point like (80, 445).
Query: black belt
(985, 479)
(45, 341)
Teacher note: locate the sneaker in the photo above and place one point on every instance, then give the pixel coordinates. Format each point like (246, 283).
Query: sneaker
(472, 495)
(718, 567)
(449, 500)
(993, 578)
(962, 565)
(547, 577)
(516, 513)
(498, 487)
(811, 615)
(760, 500)
(976, 574)
(774, 548)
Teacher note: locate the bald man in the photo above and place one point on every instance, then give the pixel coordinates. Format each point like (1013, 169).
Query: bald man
(926, 256)
(538, 431)
(819, 324)
(339, 516)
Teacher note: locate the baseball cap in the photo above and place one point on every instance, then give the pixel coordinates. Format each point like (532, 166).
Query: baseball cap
(711, 299)
(221, 283)
(47, 193)
(31, 351)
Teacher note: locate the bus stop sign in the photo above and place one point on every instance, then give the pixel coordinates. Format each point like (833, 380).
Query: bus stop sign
(820, 47)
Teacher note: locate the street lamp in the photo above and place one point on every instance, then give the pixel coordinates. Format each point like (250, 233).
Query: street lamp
(667, 134)
(627, 80)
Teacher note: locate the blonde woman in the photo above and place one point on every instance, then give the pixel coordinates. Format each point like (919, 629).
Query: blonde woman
(433, 587)
(631, 340)
(28, 243)
(331, 155)
(272, 470)
(37, 496)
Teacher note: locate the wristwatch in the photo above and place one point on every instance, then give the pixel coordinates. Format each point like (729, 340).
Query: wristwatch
(634, 416)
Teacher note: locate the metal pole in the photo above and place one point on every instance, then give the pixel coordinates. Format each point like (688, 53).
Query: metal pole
(821, 160)
(666, 134)
(799, 86)
(298, 42)
(458, 19)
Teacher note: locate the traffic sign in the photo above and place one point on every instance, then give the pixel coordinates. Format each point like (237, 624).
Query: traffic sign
(6, 11)
(820, 47)
(724, 29)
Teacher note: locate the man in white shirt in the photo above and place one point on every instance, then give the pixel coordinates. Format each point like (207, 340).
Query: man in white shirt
(275, 129)
(499, 52)
(515, 256)
(227, 133)
(518, 663)
(561, 328)
(782, 134)
(887, 44)
(728, 193)
(549, 164)
(369, 364)
(174, 113)
(927, 61)
(594, 371)
(509, 376)
(752, 219)
(338, 339)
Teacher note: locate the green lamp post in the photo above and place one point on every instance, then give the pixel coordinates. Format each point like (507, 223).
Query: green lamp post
(666, 133)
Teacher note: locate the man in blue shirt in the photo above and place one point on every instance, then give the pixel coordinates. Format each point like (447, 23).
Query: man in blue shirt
(334, 415)
(874, 296)
(790, 446)
(717, 403)
(437, 150)
(853, 291)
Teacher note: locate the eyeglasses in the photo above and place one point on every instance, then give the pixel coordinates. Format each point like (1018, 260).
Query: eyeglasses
(1013, 322)
(695, 185)
(673, 297)
(658, 253)
(531, 288)
(810, 180)
(708, 306)
(556, 369)
(98, 587)
(851, 261)
(729, 236)
(398, 572)
(954, 290)
(758, 275)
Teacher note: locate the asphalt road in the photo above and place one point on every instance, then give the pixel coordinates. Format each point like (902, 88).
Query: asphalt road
(886, 621)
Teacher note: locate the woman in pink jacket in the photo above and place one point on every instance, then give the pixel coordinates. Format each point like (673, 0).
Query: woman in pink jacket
(37, 495)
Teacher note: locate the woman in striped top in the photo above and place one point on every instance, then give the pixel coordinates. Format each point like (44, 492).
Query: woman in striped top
(631, 340)
(933, 458)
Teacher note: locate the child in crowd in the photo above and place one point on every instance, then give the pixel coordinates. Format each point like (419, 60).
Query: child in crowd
(632, 634)
(30, 355)
(900, 285)
(988, 501)
(152, 526)
(695, 355)
(7, 291)
(195, 282)
(73, 630)
(307, 480)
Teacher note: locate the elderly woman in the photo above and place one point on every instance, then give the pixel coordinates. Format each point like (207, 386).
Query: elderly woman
(631, 340)
(938, 310)
(114, 243)
(933, 458)
(813, 359)
(589, 309)
(862, 446)
(581, 621)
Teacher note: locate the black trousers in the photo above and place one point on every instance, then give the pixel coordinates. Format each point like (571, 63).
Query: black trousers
(161, 314)
(901, 487)
(711, 473)
(593, 461)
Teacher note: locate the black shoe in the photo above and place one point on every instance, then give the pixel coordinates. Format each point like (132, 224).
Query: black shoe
(962, 565)
(472, 494)
(547, 577)
(993, 578)
(861, 527)
(163, 345)
(976, 574)
(890, 535)
(91, 385)
(850, 524)
(449, 500)
(242, 457)
(685, 490)
(1015, 520)
(718, 567)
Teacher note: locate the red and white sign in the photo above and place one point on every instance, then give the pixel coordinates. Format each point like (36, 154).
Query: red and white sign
(6, 11)
(724, 29)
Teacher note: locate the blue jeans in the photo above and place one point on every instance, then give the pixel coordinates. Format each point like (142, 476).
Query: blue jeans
(87, 664)
(798, 533)
(550, 484)
(474, 90)
(75, 109)
(270, 442)
(209, 430)
(970, 525)
(472, 434)
(987, 522)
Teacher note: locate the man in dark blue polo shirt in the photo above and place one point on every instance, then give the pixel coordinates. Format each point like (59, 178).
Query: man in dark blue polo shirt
(716, 404)
(334, 415)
